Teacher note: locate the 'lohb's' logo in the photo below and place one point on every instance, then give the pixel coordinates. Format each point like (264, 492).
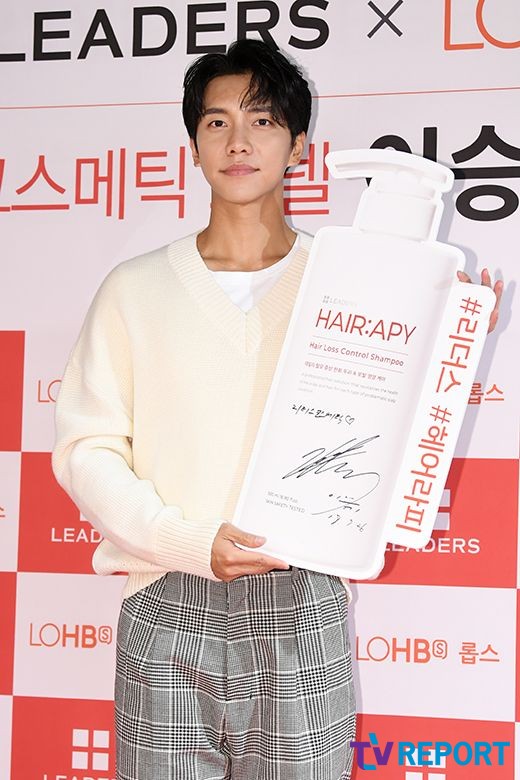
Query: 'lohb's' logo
(415, 650)
(488, 17)
(85, 636)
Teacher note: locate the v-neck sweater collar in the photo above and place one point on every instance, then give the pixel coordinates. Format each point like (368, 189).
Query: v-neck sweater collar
(245, 329)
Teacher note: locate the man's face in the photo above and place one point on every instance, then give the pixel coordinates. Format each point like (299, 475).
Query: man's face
(243, 152)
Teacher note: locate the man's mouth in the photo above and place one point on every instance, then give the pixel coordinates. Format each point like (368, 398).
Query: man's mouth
(239, 169)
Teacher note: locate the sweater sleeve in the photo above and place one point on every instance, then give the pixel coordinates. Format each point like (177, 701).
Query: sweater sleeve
(92, 456)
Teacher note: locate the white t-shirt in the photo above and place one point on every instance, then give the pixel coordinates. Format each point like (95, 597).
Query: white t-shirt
(246, 288)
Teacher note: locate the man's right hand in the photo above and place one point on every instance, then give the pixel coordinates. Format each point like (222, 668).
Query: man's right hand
(229, 561)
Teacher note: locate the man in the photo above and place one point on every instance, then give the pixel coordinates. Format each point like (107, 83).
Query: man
(230, 664)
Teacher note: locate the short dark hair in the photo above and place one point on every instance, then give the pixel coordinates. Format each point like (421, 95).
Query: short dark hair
(275, 81)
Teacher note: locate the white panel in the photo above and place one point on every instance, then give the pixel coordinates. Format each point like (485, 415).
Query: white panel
(407, 642)
(66, 635)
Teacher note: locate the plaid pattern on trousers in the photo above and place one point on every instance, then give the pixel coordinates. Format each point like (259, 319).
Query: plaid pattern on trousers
(246, 680)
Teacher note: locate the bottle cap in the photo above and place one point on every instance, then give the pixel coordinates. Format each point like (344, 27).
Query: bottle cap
(404, 197)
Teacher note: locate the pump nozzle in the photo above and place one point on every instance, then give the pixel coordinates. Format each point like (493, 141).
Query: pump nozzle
(404, 197)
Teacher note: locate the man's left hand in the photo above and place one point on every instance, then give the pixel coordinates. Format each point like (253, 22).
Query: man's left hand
(498, 288)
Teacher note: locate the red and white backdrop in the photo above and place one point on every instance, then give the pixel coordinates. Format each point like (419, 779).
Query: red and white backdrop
(94, 168)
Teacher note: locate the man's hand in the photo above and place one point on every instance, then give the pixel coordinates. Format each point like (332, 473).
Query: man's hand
(497, 289)
(229, 562)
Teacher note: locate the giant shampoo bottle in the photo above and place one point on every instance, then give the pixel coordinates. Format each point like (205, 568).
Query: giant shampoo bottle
(372, 383)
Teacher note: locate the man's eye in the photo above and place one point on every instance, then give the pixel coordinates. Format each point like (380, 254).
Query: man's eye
(216, 123)
(264, 122)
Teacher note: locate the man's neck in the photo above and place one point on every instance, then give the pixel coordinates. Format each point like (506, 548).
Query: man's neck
(244, 237)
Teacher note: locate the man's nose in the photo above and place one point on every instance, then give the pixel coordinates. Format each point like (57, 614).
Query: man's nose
(238, 141)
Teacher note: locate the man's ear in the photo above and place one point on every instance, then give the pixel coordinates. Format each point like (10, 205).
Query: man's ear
(297, 150)
(194, 153)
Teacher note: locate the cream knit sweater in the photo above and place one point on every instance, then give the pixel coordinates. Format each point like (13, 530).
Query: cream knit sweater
(159, 406)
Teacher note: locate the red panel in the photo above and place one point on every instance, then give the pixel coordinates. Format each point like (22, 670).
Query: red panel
(12, 344)
(52, 538)
(517, 676)
(480, 547)
(62, 737)
(7, 621)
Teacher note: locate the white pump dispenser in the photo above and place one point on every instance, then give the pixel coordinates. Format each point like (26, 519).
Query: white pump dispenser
(372, 382)
(405, 195)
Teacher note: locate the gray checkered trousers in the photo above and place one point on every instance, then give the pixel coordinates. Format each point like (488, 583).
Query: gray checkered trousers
(246, 680)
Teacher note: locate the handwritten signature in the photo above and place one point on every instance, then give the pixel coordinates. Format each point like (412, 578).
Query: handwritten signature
(339, 512)
(337, 460)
